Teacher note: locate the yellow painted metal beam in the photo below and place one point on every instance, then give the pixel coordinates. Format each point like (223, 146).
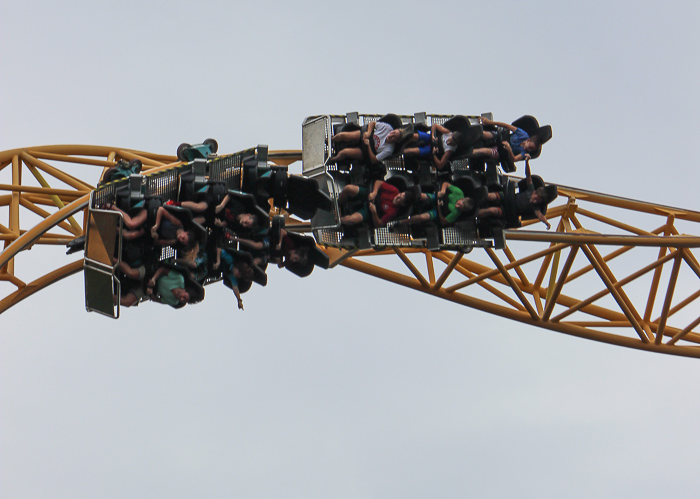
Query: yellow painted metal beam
(66, 158)
(57, 201)
(56, 173)
(604, 240)
(26, 239)
(29, 289)
(61, 193)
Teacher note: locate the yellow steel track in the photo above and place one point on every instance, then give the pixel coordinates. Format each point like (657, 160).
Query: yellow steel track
(614, 270)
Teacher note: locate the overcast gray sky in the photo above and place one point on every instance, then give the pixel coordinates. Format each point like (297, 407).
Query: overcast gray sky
(341, 385)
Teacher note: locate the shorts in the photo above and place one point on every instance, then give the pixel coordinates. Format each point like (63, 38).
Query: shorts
(142, 272)
(138, 293)
(359, 204)
(425, 151)
(424, 137)
(432, 201)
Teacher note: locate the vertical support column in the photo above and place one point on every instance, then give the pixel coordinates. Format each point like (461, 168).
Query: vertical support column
(9, 268)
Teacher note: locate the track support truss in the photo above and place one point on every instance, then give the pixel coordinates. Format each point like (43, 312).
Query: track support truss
(628, 283)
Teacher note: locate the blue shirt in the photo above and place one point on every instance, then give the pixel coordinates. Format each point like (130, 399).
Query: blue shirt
(516, 137)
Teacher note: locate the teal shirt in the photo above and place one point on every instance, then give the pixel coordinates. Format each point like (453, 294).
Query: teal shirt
(166, 284)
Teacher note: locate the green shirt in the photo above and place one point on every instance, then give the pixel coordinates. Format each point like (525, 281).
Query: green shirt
(454, 194)
(166, 284)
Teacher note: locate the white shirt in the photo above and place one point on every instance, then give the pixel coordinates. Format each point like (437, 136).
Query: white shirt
(383, 149)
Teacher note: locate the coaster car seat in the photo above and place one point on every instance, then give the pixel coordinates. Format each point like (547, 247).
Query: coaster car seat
(304, 197)
(245, 203)
(185, 216)
(532, 127)
(471, 134)
(316, 257)
(537, 182)
(259, 275)
(468, 186)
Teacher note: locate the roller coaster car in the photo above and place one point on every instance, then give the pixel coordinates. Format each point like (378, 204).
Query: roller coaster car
(187, 152)
(464, 234)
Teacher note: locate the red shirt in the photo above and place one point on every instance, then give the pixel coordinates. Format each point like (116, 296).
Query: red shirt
(386, 209)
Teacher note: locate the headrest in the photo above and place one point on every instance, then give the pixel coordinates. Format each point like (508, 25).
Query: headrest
(245, 203)
(533, 129)
(316, 256)
(391, 119)
(187, 218)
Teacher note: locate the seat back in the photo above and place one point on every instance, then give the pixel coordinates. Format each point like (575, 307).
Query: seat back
(533, 128)
(392, 119)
